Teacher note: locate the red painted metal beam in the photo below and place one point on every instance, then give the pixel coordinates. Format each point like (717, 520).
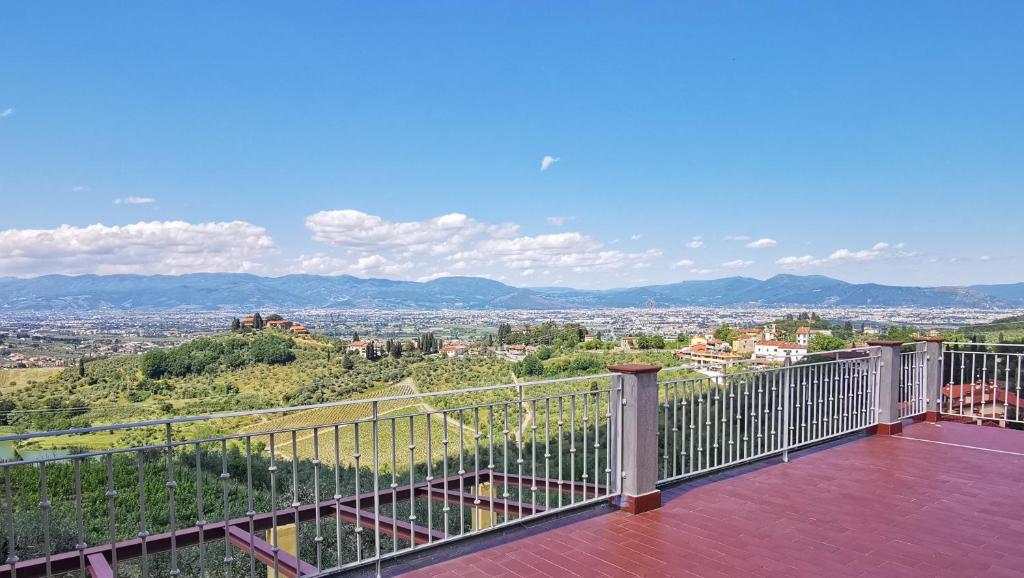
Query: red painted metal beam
(99, 567)
(346, 507)
(469, 500)
(287, 564)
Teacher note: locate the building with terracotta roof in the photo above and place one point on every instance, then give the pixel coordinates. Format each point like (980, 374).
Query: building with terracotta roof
(778, 351)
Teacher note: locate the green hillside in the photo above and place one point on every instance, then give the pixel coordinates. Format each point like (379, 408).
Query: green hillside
(1005, 330)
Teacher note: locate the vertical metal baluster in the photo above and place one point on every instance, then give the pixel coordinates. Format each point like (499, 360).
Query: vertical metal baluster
(675, 429)
(12, 554)
(664, 428)
(462, 471)
(318, 540)
(759, 419)
(714, 416)
(683, 429)
(747, 439)
(111, 495)
(200, 514)
(171, 506)
(533, 458)
(547, 452)
(1006, 390)
(250, 506)
(702, 460)
(572, 449)
(394, 485)
(476, 459)
(597, 441)
(337, 496)
(585, 426)
(822, 384)
(773, 414)
(375, 425)
(733, 446)
(412, 475)
(490, 458)
(225, 476)
(357, 459)
(1020, 359)
(560, 422)
(444, 471)
(430, 477)
(79, 524)
(272, 469)
(607, 443)
(143, 532)
(521, 407)
(692, 428)
(504, 462)
(44, 507)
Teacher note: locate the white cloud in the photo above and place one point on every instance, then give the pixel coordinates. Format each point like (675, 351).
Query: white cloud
(433, 276)
(527, 272)
(795, 262)
(170, 247)
(6, 112)
(840, 256)
(636, 237)
(701, 271)
(846, 255)
(80, 189)
(453, 242)
(547, 161)
(736, 238)
(355, 229)
(762, 243)
(361, 266)
(696, 242)
(682, 263)
(135, 201)
(558, 221)
(737, 264)
(985, 258)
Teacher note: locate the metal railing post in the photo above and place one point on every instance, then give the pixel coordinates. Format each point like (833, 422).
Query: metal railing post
(889, 422)
(638, 427)
(786, 406)
(932, 376)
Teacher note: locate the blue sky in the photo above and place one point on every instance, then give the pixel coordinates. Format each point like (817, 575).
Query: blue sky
(870, 141)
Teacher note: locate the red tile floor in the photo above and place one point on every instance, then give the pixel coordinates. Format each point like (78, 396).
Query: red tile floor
(942, 499)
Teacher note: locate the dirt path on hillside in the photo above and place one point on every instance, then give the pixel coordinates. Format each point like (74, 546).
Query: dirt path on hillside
(524, 407)
(283, 448)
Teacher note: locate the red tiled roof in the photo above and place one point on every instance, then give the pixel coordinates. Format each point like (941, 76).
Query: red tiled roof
(978, 394)
(782, 344)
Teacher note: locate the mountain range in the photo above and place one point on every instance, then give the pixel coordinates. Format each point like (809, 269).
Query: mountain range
(238, 291)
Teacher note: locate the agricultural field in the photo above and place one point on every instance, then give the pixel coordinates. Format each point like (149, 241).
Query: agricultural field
(13, 379)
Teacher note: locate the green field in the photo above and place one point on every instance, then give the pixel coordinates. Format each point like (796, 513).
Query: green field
(12, 379)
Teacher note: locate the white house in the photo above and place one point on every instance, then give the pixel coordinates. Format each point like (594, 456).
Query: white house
(779, 350)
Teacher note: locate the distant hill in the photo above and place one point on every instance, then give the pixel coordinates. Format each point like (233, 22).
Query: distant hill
(1013, 326)
(236, 291)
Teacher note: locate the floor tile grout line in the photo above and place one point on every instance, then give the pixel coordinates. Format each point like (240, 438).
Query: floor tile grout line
(959, 445)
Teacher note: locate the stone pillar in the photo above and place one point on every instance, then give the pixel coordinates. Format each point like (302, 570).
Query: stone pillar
(932, 375)
(889, 422)
(637, 419)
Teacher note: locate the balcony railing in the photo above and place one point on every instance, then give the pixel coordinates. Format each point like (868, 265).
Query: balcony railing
(715, 422)
(321, 494)
(983, 381)
(320, 489)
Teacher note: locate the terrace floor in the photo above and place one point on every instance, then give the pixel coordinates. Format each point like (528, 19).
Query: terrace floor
(942, 499)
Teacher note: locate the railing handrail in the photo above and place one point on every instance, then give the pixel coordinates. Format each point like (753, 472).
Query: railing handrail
(295, 408)
(986, 344)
